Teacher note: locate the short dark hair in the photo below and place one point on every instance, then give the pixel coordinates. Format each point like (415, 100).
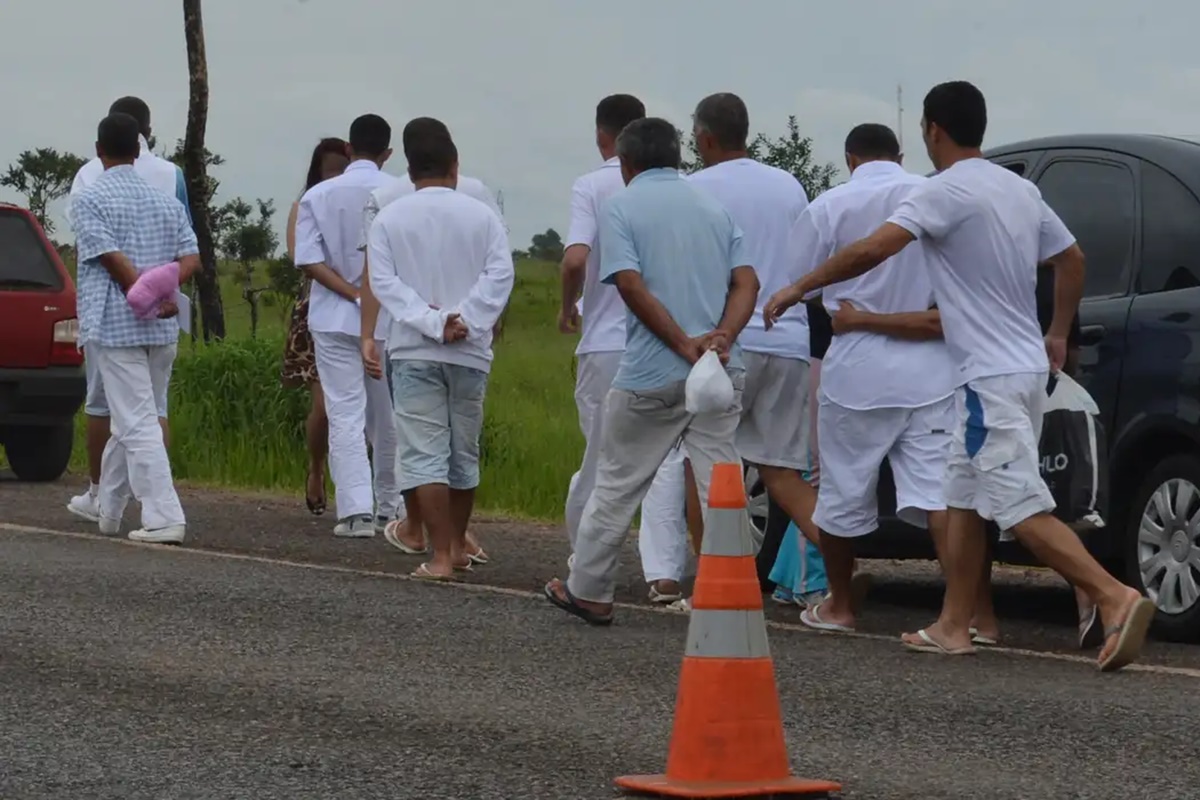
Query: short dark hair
(616, 111)
(650, 143)
(872, 140)
(135, 107)
(958, 108)
(370, 136)
(429, 148)
(117, 137)
(724, 115)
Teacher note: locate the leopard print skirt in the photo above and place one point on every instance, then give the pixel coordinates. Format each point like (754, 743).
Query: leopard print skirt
(299, 356)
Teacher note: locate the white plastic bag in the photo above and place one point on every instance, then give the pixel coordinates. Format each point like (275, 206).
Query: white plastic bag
(708, 389)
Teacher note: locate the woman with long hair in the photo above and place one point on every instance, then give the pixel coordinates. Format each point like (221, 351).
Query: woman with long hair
(329, 160)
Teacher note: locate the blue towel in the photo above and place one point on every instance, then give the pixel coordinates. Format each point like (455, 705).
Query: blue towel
(799, 568)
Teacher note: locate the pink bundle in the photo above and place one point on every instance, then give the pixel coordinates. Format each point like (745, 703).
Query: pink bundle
(152, 288)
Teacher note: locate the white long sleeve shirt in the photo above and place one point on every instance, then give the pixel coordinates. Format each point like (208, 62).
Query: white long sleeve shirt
(433, 253)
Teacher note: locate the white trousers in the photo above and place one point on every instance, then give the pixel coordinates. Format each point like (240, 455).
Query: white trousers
(359, 409)
(135, 459)
(662, 539)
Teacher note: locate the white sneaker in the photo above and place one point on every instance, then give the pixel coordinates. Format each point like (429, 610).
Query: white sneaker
(360, 527)
(85, 506)
(108, 526)
(172, 534)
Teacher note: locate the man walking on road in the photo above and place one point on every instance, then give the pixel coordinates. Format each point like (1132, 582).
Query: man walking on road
(328, 228)
(123, 226)
(870, 407)
(662, 538)
(167, 178)
(442, 268)
(765, 203)
(658, 224)
(991, 229)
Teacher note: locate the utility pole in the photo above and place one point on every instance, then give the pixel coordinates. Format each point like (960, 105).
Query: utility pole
(900, 115)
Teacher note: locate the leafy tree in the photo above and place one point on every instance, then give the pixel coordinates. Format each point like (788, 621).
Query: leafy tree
(547, 246)
(43, 176)
(791, 153)
(247, 240)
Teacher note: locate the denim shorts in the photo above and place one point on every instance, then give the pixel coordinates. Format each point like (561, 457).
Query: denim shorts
(439, 419)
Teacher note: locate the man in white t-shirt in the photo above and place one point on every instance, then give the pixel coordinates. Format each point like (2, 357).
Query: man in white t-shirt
(167, 178)
(991, 229)
(765, 202)
(662, 538)
(442, 268)
(328, 230)
(408, 534)
(869, 405)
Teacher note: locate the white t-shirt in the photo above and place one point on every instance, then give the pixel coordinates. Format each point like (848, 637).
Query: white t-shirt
(328, 230)
(403, 186)
(765, 203)
(436, 252)
(992, 229)
(863, 370)
(601, 305)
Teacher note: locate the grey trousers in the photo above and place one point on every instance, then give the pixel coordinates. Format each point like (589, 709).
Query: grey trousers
(640, 428)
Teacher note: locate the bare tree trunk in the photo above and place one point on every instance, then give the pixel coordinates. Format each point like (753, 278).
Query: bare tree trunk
(212, 312)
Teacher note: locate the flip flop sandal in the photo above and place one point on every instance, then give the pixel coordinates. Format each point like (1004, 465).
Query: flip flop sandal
(928, 645)
(391, 536)
(479, 557)
(986, 641)
(1131, 633)
(1091, 632)
(663, 599)
(811, 618)
(571, 606)
(422, 573)
(464, 567)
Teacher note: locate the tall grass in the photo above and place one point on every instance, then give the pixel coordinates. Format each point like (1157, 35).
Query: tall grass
(234, 424)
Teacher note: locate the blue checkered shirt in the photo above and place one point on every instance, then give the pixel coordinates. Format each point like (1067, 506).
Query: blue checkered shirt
(123, 213)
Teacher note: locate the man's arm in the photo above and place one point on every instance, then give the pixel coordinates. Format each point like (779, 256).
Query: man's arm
(1057, 246)
(743, 292)
(181, 193)
(483, 305)
(370, 303)
(582, 236)
(857, 259)
(310, 254)
(912, 325)
(401, 301)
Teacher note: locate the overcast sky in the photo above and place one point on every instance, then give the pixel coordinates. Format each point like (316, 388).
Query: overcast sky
(517, 82)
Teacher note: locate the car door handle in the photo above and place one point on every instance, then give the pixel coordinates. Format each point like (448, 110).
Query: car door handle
(1091, 334)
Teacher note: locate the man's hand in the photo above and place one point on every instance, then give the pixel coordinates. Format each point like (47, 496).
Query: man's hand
(781, 301)
(455, 330)
(720, 341)
(370, 358)
(568, 319)
(846, 318)
(167, 309)
(1056, 351)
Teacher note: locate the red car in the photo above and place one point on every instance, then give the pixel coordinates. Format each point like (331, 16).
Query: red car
(42, 384)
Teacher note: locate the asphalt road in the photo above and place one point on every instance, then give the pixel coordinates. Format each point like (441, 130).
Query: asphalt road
(266, 660)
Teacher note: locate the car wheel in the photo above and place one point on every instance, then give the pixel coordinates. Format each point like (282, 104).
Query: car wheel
(1163, 539)
(39, 453)
(758, 506)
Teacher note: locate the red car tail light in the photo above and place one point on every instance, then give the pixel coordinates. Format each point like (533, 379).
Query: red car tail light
(64, 349)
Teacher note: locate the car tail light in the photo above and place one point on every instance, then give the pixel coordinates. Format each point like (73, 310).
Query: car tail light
(64, 351)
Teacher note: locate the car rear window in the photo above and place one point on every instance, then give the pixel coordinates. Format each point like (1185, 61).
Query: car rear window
(24, 262)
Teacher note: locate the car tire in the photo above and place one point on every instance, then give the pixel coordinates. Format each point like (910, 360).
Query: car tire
(39, 454)
(1175, 620)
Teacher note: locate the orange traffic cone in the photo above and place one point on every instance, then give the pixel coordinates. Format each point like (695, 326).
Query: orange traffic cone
(728, 736)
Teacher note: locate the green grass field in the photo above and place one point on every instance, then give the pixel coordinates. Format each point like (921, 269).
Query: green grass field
(233, 424)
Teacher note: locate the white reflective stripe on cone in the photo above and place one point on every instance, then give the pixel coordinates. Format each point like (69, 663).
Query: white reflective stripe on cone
(727, 533)
(727, 634)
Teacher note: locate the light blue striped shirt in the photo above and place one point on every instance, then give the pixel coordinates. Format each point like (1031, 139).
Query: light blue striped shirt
(121, 212)
(684, 245)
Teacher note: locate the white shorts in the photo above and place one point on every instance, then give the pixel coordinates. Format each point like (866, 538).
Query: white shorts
(773, 430)
(95, 404)
(915, 441)
(993, 465)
